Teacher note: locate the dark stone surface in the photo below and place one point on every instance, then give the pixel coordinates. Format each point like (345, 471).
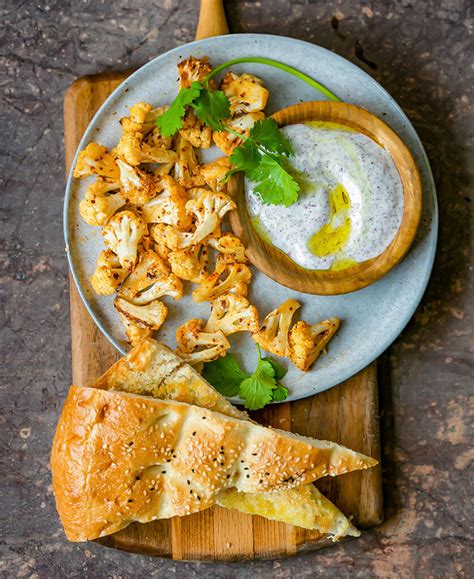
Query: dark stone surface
(420, 50)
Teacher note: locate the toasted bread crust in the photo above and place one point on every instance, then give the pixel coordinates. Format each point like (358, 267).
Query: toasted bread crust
(119, 458)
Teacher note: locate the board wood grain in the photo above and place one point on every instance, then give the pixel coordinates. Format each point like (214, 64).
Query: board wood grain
(346, 414)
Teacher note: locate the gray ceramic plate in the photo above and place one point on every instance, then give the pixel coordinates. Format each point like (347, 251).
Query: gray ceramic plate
(371, 318)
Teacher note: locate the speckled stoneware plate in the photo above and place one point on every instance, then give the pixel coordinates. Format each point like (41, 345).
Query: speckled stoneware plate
(372, 318)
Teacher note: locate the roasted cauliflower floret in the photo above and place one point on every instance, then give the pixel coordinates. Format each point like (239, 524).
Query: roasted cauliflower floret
(190, 263)
(122, 235)
(142, 118)
(158, 234)
(245, 92)
(186, 169)
(138, 187)
(151, 315)
(135, 333)
(193, 69)
(227, 142)
(208, 209)
(134, 150)
(150, 267)
(155, 139)
(197, 345)
(226, 278)
(169, 206)
(230, 247)
(232, 313)
(307, 342)
(195, 131)
(214, 173)
(96, 160)
(109, 274)
(101, 201)
(273, 334)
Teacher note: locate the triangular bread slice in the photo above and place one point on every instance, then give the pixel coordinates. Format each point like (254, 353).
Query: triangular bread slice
(119, 458)
(136, 373)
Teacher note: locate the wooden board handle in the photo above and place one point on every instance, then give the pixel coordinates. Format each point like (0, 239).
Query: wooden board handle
(212, 21)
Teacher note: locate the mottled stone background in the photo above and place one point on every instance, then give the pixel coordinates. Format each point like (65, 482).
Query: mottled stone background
(421, 52)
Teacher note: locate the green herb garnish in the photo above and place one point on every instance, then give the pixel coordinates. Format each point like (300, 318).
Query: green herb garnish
(263, 155)
(257, 389)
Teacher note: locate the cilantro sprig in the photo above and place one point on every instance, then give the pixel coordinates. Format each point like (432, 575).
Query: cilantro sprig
(262, 156)
(256, 389)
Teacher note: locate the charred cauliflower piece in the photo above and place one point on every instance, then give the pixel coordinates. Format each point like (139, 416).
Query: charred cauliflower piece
(230, 247)
(158, 235)
(226, 278)
(122, 235)
(138, 187)
(273, 334)
(232, 313)
(169, 206)
(193, 69)
(96, 160)
(245, 92)
(195, 131)
(135, 333)
(101, 201)
(150, 316)
(208, 209)
(196, 345)
(186, 170)
(191, 263)
(134, 150)
(214, 174)
(150, 280)
(307, 342)
(227, 142)
(142, 118)
(109, 274)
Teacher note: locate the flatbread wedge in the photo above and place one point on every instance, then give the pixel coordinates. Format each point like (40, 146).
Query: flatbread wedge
(119, 458)
(304, 506)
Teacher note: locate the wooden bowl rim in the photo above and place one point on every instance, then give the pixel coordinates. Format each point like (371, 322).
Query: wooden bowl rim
(266, 257)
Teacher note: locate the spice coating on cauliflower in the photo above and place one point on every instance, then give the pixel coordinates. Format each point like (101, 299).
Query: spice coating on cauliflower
(96, 160)
(109, 274)
(196, 345)
(169, 206)
(101, 202)
(227, 142)
(246, 93)
(307, 342)
(232, 313)
(273, 334)
(214, 174)
(122, 234)
(191, 263)
(150, 316)
(230, 247)
(226, 278)
(193, 69)
(138, 187)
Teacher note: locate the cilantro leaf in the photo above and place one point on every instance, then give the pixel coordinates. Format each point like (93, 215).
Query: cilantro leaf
(172, 120)
(280, 370)
(267, 134)
(280, 393)
(256, 391)
(212, 107)
(274, 184)
(246, 158)
(225, 375)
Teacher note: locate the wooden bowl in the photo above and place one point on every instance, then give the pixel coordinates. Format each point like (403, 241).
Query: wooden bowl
(277, 265)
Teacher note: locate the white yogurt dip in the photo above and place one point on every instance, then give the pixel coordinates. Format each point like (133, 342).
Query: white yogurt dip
(350, 204)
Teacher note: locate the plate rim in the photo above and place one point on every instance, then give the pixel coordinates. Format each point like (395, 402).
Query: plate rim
(408, 314)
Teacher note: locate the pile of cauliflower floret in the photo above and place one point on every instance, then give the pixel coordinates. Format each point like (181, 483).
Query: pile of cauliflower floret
(161, 214)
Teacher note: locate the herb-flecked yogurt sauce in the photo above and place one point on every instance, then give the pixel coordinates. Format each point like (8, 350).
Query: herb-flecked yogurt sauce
(350, 202)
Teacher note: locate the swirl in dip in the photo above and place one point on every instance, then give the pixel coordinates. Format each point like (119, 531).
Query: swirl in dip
(350, 203)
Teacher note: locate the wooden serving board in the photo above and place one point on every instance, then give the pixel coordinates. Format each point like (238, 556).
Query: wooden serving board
(347, 414)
